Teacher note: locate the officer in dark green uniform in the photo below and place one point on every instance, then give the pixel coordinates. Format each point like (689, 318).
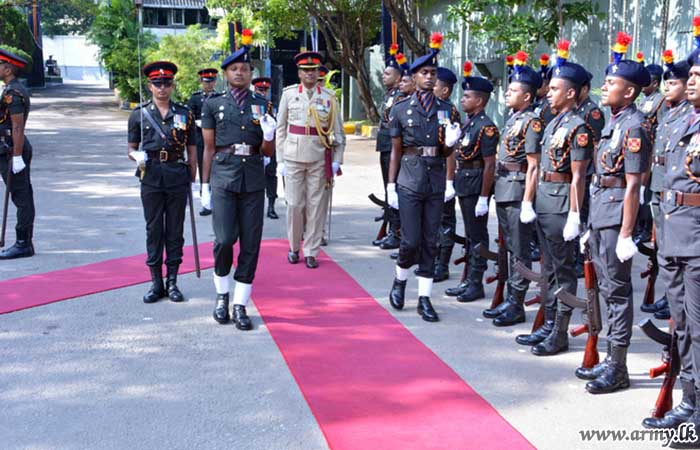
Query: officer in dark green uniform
(207, 78)
(16, 152)
(623, 156)
(238, 130)
(476, 165)
(261, 86)
(164, 130)
(567, 148)
(424, 130)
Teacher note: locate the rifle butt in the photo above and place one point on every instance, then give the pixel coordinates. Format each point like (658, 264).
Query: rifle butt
(539, 318)
(578, 331)
(381, 234)
(590, 354)
(655, 372)
(664, 401)
(498, 295)
(649, 290)
(491, 279)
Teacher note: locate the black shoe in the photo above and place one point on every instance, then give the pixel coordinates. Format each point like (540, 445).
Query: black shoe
(397, 294)
(693, 423)
(394, 255)
(174, 293)
(474, 292)
(20, 249)
(293, 257)
(492, 313)
(324, 242)
(378, 242)
(513, 314)
(441, 273)
(614, 376)
(221, 314)
(679, 414)
(537, 336)
(271, 214)
(656, 306)
(310, 262)
(157, 290)
(391, 242)
(592, 373)
(664, 314)
(205, 212)
(461, 288)
(426, 311)
(535, 254)
(241, 319)
(557, 341)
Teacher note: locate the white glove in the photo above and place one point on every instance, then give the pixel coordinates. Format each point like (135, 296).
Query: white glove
(392, 196)
(266, 161)
(642, 189)
(335, 167)
(17, 164)
(206, 196)
(582, 242)
(449, 190)
(268, 125)
(571, 229)
(281, 170)
(625, 248)
(527, 214)
(139, 157)
(482, 207)
(452, 134)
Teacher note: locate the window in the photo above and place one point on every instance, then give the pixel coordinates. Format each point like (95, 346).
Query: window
(204, 17)
(156, 17)
(178, 17)
(191, 17)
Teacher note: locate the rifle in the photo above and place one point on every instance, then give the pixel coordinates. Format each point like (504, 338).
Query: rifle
(464, 259)
(670, 367)
(384, 218)
(591, 311)
(652, 267)
(6, 201)
(501, 259)
(542, 283)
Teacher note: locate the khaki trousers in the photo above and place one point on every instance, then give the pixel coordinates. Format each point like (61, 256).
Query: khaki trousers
(307, 203)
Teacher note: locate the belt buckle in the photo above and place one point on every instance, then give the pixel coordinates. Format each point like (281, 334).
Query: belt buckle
(163, 156)
(241, 149)
(671, 197)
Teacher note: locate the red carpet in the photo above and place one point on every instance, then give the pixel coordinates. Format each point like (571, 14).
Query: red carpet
(368, 381)
(49, 287)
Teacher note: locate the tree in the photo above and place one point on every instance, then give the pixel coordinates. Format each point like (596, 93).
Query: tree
(14, 31)
(413, 32)
(62, 17)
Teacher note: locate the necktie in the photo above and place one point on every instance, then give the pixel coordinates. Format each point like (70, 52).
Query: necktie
(426, 99)
(239, 95)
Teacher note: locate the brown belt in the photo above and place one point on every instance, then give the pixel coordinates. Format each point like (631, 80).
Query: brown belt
(660, 160)
(681, 198)
(421, 151)
(238, 149)
(472, 164)
(512, 167)
(164, 155)
(296, 129)
(556, 177)
(609, 181)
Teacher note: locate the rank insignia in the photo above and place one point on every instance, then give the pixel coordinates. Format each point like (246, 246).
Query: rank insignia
(536, 126)
(595, 114)
(490, 131)
(634, 144)
(582, 140)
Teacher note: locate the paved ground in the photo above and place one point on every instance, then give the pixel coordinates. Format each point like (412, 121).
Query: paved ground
(108, 372)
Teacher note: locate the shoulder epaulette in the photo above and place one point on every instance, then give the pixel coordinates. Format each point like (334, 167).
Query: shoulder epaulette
(144, 104)
(327, 90)
(291, 86)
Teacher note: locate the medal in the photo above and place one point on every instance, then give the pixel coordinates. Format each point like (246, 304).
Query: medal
(559, 138)
(443, 117)
(515, 130)
(615, 139)
(389, 102)
(257, 111)
(466, 140)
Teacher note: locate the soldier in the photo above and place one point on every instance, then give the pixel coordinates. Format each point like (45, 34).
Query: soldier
(261, 86)
(567, 147)
(16, 153)
(671, 129)
(238, 130)
(622, 157)
(476, 165)
(541, 104)
(520, 137)
(424, 130)
(310, 145)
(391, 77)
(207, 78)
(167, 129)
(446, 79)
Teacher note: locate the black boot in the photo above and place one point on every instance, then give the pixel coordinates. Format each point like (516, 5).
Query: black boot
(174, 293)
(512, 315)
(442, 264)
(157, 291)
(390, 242)
(542, 332)
(535, 253)
(397, 294)
(614, 376)
(475, 291)
(221, 314)
(679, 414)
(492, 313)
(426, 311)
(558, 340)
(457, 290)
(660, 304)
(394, 255)
(664, 314)
(241, 319)
(692, 424)
(271, 209)
(22, 248)
(595, 371)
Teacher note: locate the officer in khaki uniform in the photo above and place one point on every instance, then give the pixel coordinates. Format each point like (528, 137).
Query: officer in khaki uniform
(310, 144)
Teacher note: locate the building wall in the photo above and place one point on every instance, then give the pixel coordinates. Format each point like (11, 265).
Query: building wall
(76, 58)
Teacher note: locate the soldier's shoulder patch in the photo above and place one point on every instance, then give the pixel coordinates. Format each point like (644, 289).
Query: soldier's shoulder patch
(595, 114)
(490, 131)
(582, 139)
(536, 126)
(634, 144)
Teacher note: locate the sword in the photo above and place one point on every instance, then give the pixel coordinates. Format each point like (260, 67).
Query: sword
(194, 233)
(330, 209)
(6, 201)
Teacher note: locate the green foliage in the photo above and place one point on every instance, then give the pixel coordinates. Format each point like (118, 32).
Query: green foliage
(14, 31)
(191, 52)
(521, 24)
(115, 31)
(62, 17)
(269, 19)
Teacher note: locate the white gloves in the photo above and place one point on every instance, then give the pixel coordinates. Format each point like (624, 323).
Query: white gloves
(571, 229)
(449, 190)
(583, 240)
(266, 161)
(527, 214)
(642, 189)
(482, 207)
(138, 156)
(206, 196)
(268, 125)
(452, 134)
(17, 164)
(625, 248)
(392, 196)
(281, 170)
(335, 167)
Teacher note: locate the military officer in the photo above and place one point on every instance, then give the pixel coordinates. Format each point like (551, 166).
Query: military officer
(446, 80)
(424, 130)
(238, 130)
(520, 137)
(168, 131)
(207, 78)
(391, 77)
(476, 166)
(16, 153)
(310, 145)
(622, 157)
(670, 131)
(261, 86)
(567, 148)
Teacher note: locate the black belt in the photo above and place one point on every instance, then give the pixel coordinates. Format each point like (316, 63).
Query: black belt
(165, 155)
(471, 164)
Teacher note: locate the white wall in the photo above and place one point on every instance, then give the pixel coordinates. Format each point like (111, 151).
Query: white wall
(75, 56)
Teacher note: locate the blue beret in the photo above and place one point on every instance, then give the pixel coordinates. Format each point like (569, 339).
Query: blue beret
(527, 75)
(694, 58)
(677, 71)
(477, 84)
(572, 72)
(391, 62)
(631, 71)
(655, 70)
(429, 59)
(446, 76)
(240, 55)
